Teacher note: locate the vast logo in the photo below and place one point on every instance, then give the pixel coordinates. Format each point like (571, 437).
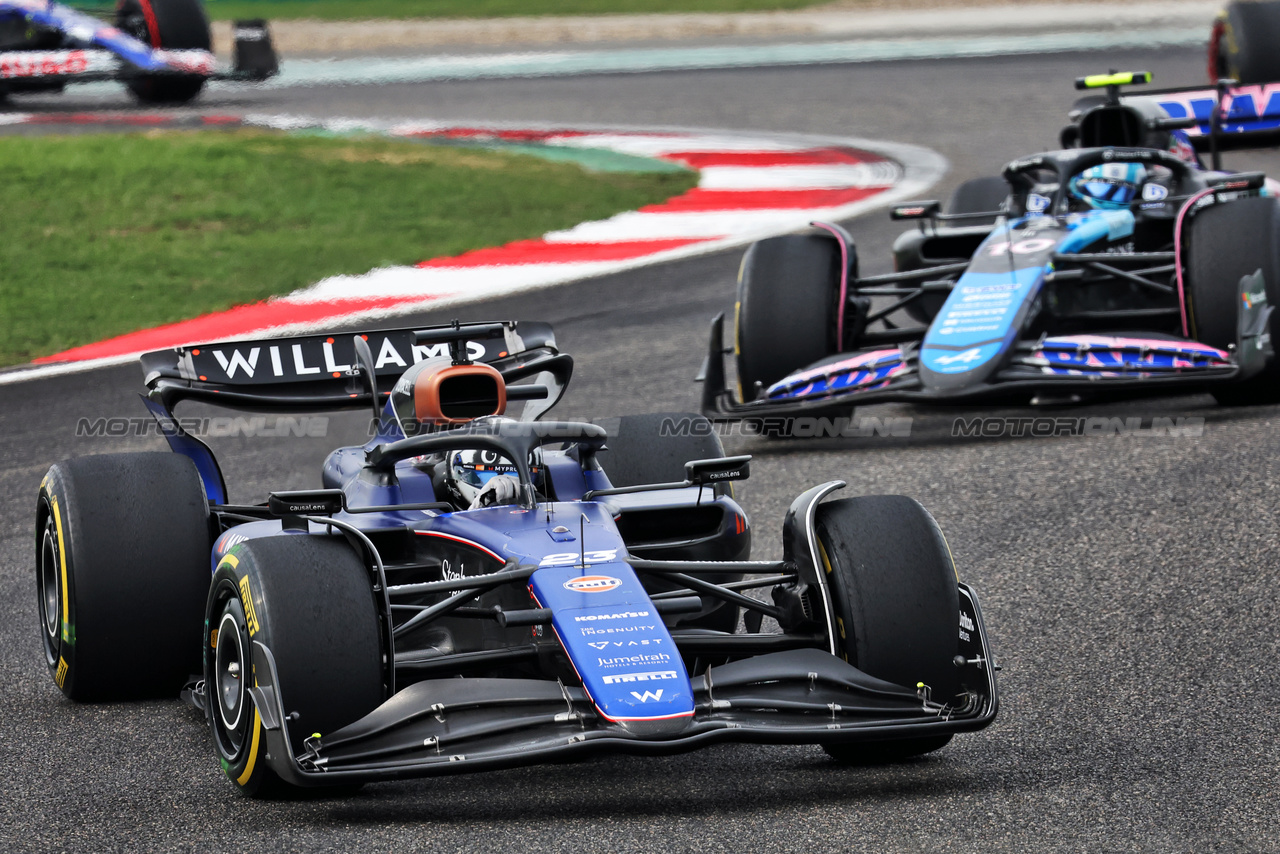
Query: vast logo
(592, 583)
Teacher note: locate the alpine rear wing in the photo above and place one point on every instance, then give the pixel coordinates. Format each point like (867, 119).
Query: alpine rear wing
(1224, 118)
(323, 372)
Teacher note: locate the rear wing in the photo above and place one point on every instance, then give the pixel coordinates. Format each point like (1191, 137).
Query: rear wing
(1213, 119)
(322, 372)
(1246, 116)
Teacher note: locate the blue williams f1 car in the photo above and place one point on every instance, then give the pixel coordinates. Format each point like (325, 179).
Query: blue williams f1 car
(471, 591)
(160, 49)
(1080, 273)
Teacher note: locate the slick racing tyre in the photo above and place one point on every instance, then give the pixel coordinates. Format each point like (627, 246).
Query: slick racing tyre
(785, 318)
(122, 571)
(172, 25)
(309, 600)
(1226, 242)
(897, 605)
(1243, 44)
(640, 453)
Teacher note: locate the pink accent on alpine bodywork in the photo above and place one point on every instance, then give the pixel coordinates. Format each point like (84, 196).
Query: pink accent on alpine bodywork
(861, 360)
(838, 234)
(1113, 342)
(1085, 348)
(1177, 255)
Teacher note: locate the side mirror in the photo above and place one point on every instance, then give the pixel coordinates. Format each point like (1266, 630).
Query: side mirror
(711, 472)
(318, 502)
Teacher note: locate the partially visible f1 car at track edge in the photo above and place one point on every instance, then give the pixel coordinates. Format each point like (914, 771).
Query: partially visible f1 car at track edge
(1244, 43)
(160, 49)
(1085, 272)
(471, 591)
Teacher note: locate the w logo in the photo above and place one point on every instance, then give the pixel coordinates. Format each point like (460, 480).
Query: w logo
(648, 695)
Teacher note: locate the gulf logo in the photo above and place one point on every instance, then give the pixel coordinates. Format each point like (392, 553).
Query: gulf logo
(592, 583)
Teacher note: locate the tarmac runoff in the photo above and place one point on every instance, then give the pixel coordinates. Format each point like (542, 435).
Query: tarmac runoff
(410, 69)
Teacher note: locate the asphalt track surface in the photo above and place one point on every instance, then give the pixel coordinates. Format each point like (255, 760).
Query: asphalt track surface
(1129, 582)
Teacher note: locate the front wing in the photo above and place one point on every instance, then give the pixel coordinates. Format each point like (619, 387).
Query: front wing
(801, 696)
(1079, 364)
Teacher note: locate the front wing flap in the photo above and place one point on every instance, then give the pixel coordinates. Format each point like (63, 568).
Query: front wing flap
(1080, 364)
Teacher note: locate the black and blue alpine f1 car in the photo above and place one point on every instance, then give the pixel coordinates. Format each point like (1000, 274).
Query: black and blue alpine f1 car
(160, 49)
(1110, 270)
(470, 590)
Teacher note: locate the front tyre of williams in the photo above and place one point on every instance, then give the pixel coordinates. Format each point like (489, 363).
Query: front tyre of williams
(309, 601)
(893, 585)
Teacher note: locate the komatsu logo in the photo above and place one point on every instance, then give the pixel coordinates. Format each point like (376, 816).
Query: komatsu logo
(620, 615)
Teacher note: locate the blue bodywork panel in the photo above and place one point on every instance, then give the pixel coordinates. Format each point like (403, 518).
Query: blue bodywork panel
(619, 647)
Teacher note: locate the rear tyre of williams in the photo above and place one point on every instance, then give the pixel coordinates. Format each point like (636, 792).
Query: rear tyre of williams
(172, 25)
(1243, 43)
(893, 584)
(1225, 243)
(788, 287)
(122, 571)
(640, 453)
(310, 602)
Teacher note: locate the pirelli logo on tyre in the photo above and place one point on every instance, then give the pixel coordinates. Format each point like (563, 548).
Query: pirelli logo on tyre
(61, 676)
(246, 599)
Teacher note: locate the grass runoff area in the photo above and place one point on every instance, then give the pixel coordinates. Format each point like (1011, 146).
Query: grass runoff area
(109, 233)
(350, 10)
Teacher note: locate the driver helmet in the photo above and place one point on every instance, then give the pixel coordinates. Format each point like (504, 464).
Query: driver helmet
(482, 478)
(1111, 186)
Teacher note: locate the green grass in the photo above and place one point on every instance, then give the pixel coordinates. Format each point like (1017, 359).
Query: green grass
(338, 10)
(105, 233)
